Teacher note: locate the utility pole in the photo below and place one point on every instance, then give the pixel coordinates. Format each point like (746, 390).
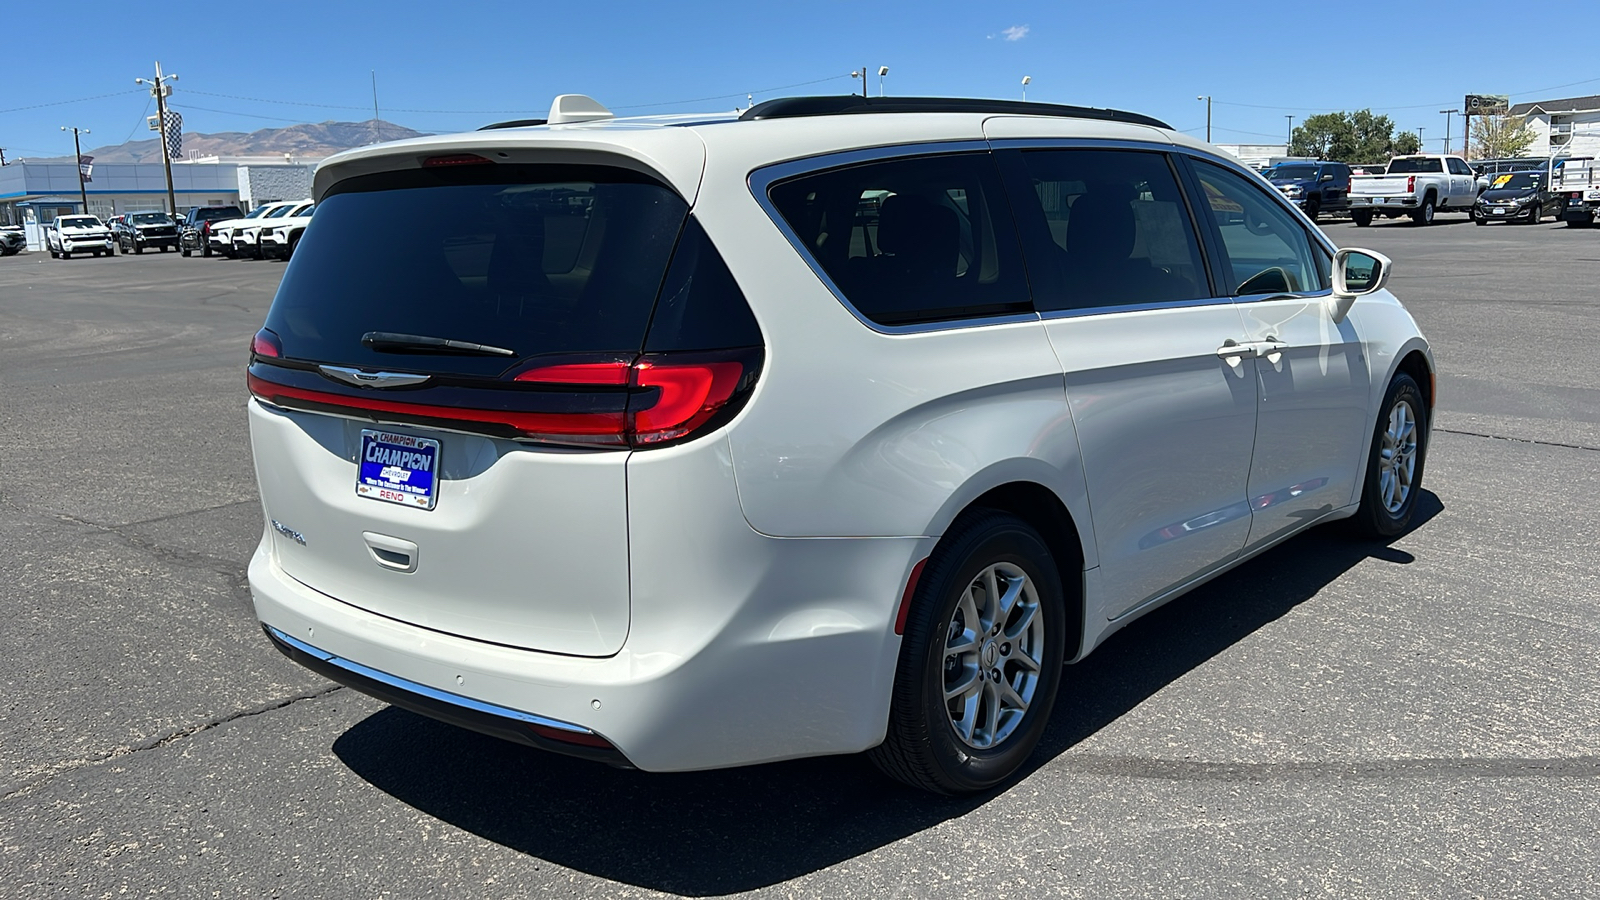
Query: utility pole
(374, 106)
(77, 157)
(1288, 148)
(1447, 114)
(2, 156)
(160, 87)
(1207, 99)
(1422, 146)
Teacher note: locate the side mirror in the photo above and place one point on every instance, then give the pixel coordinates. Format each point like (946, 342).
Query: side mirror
(1356, 273)
(1328, 177)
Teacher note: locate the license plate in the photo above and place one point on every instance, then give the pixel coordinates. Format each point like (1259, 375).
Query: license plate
(398, 468)
(1497, 212)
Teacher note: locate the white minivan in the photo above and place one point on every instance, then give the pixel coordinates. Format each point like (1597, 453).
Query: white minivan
(835, 425)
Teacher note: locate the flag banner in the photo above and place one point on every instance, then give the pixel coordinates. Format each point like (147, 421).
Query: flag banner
(174, 135)
(86, 167)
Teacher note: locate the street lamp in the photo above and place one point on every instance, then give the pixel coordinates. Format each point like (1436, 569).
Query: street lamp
(1288, 148)
(1447, 114)
(160, 86)
(1026, 80)
(1207, 99)
(883, 72)
(77, 157)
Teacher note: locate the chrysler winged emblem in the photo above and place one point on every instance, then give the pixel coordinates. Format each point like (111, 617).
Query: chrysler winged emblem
(360, 378)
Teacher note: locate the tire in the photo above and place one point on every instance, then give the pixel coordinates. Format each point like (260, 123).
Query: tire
(206, 250)
(293, 243)
(1394, 480)
(185, 252)
(138, 250)
(1536, 214)
(924, 746)
(1424, 215)
(1362, 217)
(1479, 220)
(1312, 209)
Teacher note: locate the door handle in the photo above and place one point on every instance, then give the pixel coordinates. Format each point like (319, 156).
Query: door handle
(1232, 349)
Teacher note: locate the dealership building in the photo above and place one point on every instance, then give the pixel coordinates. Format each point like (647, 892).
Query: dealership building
(34, 193)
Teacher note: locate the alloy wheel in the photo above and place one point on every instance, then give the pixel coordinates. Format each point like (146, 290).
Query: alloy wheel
(1398, 457)
(993, 656)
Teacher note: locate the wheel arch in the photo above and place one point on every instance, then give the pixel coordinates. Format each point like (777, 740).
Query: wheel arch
(1044, 510)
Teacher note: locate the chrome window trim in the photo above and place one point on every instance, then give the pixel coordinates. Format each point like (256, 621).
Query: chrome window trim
(1080, 312)
(761, 181)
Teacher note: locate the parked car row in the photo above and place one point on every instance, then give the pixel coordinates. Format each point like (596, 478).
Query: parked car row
(270, 231)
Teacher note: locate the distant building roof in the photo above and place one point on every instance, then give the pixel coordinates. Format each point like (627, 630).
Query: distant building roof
(1570, 104)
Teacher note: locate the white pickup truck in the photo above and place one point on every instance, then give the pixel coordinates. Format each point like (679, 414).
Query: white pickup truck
(1417, 186)
(1577, 183)
(77, 234)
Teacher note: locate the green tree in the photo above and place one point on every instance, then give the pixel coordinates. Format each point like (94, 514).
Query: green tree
(1353, 137)
(1407, 142)
(1499, 137)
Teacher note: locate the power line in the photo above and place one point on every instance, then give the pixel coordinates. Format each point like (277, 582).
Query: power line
(229, 112)
(142, 117)
(65, 102)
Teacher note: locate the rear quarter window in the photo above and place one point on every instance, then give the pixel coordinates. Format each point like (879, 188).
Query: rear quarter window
(907, 241)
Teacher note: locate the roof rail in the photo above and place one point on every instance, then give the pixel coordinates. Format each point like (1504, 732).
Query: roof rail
(514, 123)
(793, 107)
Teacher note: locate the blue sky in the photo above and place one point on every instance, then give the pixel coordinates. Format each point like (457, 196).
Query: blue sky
(451, 66)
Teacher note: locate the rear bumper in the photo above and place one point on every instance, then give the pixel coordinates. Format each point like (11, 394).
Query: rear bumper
(463, 712)
(741, 648)
(1392, 203)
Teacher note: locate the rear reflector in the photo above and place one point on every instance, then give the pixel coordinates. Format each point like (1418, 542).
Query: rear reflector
(581, 738)
(905, 599)
(611, 372)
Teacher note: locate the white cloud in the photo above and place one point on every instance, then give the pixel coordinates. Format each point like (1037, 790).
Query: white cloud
(1015, 32)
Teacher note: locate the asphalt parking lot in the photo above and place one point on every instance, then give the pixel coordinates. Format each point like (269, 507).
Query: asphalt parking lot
(1333, 719)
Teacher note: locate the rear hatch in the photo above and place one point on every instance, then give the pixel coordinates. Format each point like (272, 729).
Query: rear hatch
(456, 368)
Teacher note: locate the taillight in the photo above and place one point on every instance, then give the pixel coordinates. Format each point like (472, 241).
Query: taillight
(609, 402)
(266, 344)
(1411, 185)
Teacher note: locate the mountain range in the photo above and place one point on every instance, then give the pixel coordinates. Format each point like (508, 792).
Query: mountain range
(305, 141)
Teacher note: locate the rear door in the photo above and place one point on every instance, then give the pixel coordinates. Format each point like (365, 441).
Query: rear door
(1311, 373)
(1165, 415)
(477, 489)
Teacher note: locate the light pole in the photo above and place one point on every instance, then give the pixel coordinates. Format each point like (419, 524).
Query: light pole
(1288, 149)
(77, 157)
(1207, 99)
(160, 87)
(1026, 80)
(1447, 114)
(883, 72)
(1422, 146)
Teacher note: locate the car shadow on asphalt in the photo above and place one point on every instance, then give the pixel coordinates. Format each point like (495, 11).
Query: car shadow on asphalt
(708, 833)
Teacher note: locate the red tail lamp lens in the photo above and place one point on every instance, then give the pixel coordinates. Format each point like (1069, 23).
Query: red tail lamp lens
(458, 159)
(691, 393)
(614, 373)
(266, 344)
(1411, 185)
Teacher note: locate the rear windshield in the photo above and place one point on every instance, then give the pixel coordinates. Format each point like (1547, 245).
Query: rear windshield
(1296, 173)
(151, 219)
(214, 213)
(1414, 166)
(535, 259)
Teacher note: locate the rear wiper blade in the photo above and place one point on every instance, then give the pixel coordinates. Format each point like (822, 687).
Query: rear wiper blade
(390, 342)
